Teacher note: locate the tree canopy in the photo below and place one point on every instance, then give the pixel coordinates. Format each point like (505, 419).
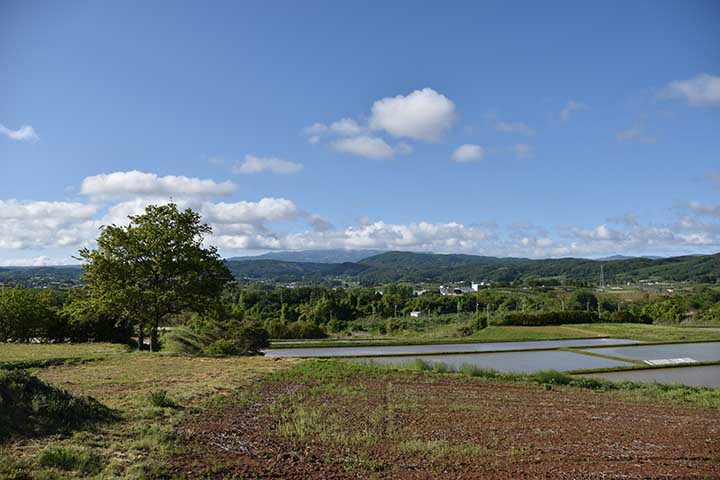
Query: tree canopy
(155, 266)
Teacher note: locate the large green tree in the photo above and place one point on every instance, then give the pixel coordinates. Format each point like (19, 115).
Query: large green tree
(154, 267)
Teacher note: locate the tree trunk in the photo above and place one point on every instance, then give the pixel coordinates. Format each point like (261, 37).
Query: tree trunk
(154, 345)
(141, 338)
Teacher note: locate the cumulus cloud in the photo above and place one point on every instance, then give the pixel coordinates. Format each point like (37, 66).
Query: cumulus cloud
(421, 115)
(345, 127)
(700, 91)
(44, 224)
(522, 150)
(570, 108)
(121, 184)
(636, 133)
(267, 209)
(26, 133)
(468, 152)
(374, 148)
(253, 164)
(705, 209)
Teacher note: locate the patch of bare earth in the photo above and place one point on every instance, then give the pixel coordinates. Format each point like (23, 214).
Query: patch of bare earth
(415, 426)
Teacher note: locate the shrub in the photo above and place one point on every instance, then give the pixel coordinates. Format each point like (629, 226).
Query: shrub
(305, 330)
(30, 407)
(161, 399)
(548, 318)
(627, 316)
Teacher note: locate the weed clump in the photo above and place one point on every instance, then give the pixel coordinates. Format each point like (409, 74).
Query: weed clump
(161, 399)
(65, 458)
(30, 407)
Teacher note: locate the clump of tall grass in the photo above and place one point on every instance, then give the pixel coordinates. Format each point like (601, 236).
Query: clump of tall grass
(70, 458)
(161, 399)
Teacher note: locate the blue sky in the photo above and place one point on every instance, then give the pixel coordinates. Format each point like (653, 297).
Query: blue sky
(499, 128)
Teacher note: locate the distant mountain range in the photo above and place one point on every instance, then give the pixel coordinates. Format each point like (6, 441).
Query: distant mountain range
(429, 267)
(314, 256)
(368, 267)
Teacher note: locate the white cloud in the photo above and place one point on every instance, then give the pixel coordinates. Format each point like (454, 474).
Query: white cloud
(267, 209)
(121, 184)
(635, 133)
(41, 261)
(522, 150)
(468, 153)
(26, 132)
(369, 147)
(422, 115)
(315, 129)
(253, 164)
(15, 210)
(45, 224)
(705, 209)
(570, 108)
(700, 91)
(347, 127)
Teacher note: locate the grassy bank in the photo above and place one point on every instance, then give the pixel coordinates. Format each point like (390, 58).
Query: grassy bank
(493, 333)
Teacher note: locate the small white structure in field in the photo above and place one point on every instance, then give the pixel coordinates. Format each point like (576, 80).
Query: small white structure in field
(417, 314)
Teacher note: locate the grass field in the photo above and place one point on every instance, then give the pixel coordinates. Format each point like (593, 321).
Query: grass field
(151, 393)
(360, 419)
(17, 352)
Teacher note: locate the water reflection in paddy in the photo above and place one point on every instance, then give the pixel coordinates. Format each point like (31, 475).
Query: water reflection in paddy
(443, 348)
(511, 361)
(700, 376)
(700, 352)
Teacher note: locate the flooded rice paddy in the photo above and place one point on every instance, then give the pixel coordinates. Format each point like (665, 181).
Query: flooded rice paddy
(699, 376)
(526, 362)
(351, 351)
(532, 356)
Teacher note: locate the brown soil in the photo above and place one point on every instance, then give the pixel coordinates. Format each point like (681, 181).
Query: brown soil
(457, 428)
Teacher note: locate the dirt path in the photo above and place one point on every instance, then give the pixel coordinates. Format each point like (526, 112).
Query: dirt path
(423, 426)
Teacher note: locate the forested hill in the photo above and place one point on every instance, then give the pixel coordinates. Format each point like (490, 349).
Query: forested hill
(428, 267)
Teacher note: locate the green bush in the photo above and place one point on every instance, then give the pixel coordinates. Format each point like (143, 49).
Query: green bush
(161, 399)
(548, 318)
(30, 407)
(627, 316)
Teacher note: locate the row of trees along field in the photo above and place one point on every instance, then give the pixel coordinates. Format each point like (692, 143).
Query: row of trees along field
(157, 272)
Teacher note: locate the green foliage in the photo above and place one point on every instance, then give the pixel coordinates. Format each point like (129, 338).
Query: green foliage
(584, 300)
(69, 458)
(154, 267)
(25, 314)
(161, 399)
(30, 407)
(216, 337)
(549, 318)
